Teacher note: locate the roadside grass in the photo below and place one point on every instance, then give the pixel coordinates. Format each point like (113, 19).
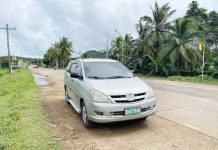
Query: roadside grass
(3, 72)
(198, 79)
(22, 123)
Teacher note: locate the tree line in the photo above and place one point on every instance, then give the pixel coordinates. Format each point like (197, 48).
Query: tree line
(165, 47)
(58, 54)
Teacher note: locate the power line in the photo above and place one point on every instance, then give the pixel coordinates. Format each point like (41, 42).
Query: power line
(8, 46)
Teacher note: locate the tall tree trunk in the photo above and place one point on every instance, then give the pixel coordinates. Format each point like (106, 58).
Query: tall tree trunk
(57, 65)
(178, 64)
(156, 69)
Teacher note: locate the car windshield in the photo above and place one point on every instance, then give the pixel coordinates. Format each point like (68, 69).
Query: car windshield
(106, 70)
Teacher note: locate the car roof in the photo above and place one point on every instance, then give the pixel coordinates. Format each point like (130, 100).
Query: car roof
(97, 60)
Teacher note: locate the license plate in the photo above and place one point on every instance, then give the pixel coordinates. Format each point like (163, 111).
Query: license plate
(132, 111)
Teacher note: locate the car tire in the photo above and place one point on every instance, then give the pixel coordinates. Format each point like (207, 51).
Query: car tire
(66, 96)
(86, 122)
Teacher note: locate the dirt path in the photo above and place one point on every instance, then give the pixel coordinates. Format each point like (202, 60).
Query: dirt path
(156, 133)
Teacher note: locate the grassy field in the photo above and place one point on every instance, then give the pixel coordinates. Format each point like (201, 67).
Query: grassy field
(22, 124)
(206, 80)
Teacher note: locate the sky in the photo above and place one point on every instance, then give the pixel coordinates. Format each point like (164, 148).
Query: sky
(86, 23)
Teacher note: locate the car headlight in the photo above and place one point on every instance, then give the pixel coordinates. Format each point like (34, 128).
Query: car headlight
(150, 92)
(99, 97)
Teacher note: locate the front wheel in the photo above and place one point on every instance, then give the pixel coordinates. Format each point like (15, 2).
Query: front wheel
(86, 122)
(66, 96)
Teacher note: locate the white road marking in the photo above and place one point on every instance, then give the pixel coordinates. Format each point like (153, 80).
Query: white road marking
(177, 83)
(191, 96)
(190, 126)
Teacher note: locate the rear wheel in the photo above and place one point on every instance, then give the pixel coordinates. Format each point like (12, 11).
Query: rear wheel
(86, 122)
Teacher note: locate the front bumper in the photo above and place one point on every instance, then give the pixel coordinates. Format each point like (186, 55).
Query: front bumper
(114, 112)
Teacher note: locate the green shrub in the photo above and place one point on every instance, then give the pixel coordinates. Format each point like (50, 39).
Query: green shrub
(2, 147)
(4, 62)
(215, 75)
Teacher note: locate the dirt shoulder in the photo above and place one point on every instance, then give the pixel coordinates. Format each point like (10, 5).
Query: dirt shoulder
(154, 133)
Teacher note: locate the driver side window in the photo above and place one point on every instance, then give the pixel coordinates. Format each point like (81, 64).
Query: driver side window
(78, 68)
(73, 67)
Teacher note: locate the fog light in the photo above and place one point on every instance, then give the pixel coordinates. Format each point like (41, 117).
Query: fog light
(99, 113)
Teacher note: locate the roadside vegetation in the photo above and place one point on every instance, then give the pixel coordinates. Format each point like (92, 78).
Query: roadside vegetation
(58, 54)
(164, 47)
(22, 124)
(26, 61)
(167, 47)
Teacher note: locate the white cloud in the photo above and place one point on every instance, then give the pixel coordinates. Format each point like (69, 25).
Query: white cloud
(85, 22)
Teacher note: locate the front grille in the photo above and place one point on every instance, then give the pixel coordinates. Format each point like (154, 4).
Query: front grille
(118, 96)
(122, 113)
(124, 99)
(139, 94)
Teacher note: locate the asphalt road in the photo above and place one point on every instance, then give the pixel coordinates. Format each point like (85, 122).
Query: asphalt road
(196, 90)
(188, 104)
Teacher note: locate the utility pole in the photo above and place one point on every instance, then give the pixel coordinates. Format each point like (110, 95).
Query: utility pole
(8, 46)
(201, 48)
(203, 64)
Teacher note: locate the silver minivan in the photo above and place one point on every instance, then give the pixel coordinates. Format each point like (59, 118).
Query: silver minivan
(104, 90)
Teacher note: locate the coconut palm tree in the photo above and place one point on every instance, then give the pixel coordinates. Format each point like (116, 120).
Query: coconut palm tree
(180, 46)
(158, 24)
(116, 48)
(152, 32)
(139, 56)
(65, 50)
(123, 46)
(54, 53)
(128, 48)
(58, 54)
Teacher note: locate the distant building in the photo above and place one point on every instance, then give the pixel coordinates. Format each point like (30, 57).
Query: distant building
(17, 64)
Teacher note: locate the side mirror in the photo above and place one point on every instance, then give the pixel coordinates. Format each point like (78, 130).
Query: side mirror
(134, 71)
(75, 75)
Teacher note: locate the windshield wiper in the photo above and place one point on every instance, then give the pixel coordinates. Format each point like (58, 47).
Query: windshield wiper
(95, 77)
(117, 77)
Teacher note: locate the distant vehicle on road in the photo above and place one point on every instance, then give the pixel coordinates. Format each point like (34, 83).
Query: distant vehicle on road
(104, 90)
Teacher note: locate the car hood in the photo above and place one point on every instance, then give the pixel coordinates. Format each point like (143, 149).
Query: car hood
(119, 86)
